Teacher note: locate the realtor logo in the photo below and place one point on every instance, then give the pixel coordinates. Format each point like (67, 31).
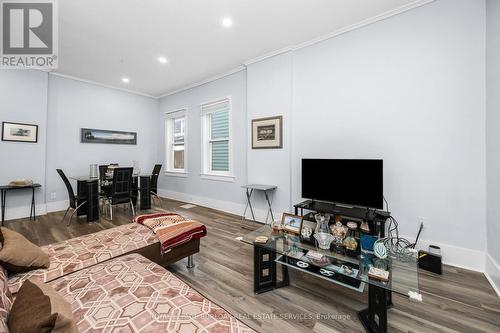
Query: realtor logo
(29, 34)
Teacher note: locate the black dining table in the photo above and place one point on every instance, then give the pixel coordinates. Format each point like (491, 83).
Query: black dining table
(88, 189)
(3, 194)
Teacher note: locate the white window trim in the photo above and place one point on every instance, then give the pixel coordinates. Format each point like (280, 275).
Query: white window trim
(227, 176)
(169, 116)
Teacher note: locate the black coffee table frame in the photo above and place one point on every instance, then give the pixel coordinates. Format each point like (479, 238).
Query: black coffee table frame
(373, 318)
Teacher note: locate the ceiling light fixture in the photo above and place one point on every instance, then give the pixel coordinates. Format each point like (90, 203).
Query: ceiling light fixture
(162, 60)
(125, 80)
(227, 22)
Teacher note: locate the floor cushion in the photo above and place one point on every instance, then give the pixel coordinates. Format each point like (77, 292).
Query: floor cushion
(132, 294)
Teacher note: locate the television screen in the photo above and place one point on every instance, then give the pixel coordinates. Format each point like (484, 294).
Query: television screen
(350, 182)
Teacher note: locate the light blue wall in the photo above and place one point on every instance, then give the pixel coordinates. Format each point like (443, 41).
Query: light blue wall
(220, 194)
(23, 99)
(73, 105)
(270, 94)
(411, 91)
(60, 107)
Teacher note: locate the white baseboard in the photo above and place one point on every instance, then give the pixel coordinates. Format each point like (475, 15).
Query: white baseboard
(452, 255)
(455, 255)
(222, 205)
(56, 206)
(13, 213)
(492, 273)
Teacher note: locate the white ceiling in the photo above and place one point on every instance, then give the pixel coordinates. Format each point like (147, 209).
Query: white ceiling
(103, 41)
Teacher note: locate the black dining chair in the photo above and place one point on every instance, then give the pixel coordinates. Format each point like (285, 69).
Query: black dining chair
(102, 172)
(75, 202)
(120, 190)
(105, 187)
(154, 183)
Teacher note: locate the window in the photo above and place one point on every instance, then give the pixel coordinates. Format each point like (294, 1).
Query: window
(175, 134)
(216, 136)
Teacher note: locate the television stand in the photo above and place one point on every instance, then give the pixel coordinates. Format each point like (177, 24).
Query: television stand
(376, 219)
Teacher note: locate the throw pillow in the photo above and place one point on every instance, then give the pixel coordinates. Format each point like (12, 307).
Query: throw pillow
(17, 254)
(39, 308)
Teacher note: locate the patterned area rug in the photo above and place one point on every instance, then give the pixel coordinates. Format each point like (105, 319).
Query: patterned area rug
(132, 294)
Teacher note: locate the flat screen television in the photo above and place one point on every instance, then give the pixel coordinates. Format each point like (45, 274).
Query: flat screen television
(351, 182)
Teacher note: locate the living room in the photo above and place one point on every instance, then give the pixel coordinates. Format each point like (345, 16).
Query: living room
(201, 88)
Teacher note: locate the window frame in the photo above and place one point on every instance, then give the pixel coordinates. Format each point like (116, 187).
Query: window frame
(206, 140)
(170, 117)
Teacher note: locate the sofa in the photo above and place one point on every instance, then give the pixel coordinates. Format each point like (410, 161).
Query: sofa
(115, 282)
(84, 251)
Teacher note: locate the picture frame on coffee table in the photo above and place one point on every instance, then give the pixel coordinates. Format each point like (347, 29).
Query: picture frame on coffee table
(292, 223)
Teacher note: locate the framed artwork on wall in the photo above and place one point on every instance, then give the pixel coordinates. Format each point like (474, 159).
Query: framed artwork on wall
(89, 135)
(18, 132)
(267, 133)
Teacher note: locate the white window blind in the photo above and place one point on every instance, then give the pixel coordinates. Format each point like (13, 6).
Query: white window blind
(175, 135)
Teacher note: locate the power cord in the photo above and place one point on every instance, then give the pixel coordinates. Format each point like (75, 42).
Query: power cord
(393, 242)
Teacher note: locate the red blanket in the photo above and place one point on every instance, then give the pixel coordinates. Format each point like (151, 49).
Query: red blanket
(172, 229)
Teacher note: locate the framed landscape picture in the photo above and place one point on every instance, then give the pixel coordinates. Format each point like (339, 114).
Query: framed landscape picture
(267, 133)
(89, 135)
(18, 132)
(292, 223)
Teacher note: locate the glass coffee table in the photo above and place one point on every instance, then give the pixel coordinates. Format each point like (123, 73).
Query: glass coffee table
(351, 271)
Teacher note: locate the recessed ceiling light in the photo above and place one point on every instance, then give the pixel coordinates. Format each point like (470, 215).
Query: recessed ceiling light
(227, 22)
(125, 80)
(162, 60)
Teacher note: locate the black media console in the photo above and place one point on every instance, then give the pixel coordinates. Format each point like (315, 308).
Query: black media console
(376, 219)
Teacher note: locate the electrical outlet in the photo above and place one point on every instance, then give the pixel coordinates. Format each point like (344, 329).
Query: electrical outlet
(53, 196)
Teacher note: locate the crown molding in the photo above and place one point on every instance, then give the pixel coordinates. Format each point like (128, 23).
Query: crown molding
(76, 78)
(371, 20)
(205, 81)
(366, 22)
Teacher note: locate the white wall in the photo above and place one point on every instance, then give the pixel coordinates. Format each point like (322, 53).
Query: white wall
(409, 90)
(493, 139)
(74, 105)
(23, 99)
(217, 194)
(270, 94)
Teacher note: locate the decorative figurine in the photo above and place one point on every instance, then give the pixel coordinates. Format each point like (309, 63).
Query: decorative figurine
(306, 231)
(380, 250)
(350, 243)
(339, 231)
(276, 225)
(322, 233)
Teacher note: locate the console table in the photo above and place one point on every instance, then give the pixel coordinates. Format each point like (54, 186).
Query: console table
(3, 194)
(266, 189)
(289, 251)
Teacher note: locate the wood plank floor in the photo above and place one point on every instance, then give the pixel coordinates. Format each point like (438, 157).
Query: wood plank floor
(458, 301)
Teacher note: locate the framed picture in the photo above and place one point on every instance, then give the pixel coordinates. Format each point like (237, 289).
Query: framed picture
(105, 136)
(19, 132)
(267, 133)
(291, 223)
